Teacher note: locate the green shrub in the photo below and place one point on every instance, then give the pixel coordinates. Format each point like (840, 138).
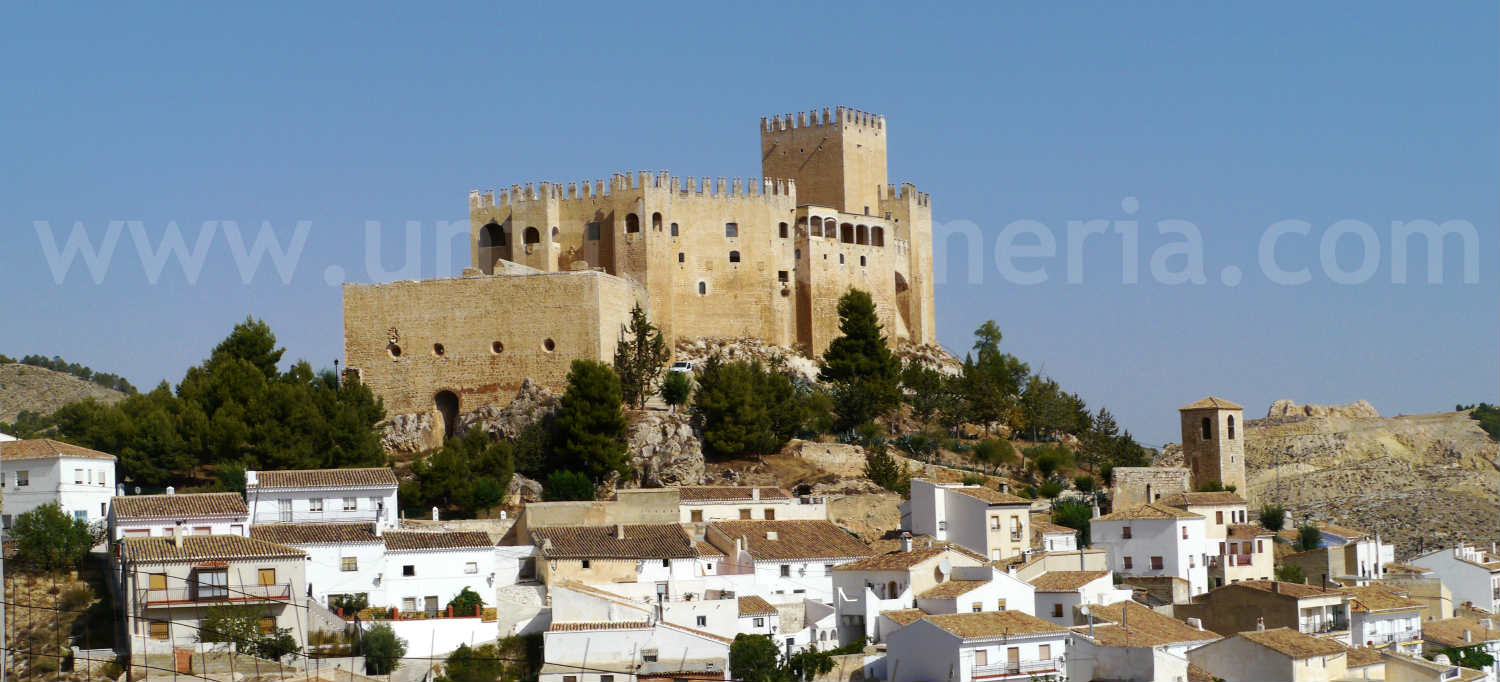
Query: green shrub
(1051, 489)
(76, 598)
(466, 602)
(1272, 516)
(973, 479)
(1290, 573)
(567, 485)
(382, 650)
(1084, 483)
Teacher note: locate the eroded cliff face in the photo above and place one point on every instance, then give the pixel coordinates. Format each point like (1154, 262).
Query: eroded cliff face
(1418, 480)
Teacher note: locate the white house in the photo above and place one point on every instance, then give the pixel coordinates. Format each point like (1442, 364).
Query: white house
(791, 560)
(1155, 540)
(1279, 654)
(322, 495)
(1471, 573)
(994, 524)
(1050, 537)
(706, 504)
(343, 559)
(654, 557)
(1381, 617)
(144, 516)
(627, 651)
(890, 581)
(1464, 633)
(963, 647)
(44, 471)
(6, 437)
(978, 588)
(1058, 593)
(1128, 641)
(425, 570)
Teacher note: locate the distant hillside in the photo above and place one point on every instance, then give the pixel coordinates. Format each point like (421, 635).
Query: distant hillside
(24, 387)
(1420, 480)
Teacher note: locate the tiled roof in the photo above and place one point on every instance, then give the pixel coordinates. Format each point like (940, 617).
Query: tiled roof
(178, 506)
(1197, 673)
(1150, 510)
(1397, 567)
(1293, 643)
(951, 589)
(1450, 632)
(734, 493)
(325, 478)
(314, 533)
(46, 448)
(195, 547)
(1297, 590)
(990, 495)
(1065, 581)
(1143, 627)
(602, 625)
(1246, 531)
(800, 539)
(1041, 523)
(992, 624)
(644, 541)
(706, 550)
(1378, 599)
(896, 560)
(700, 633)
(1359, 657)
(904, 617)
(1211, 403)
(455, 539)
(756, 606)
(1341, 531)
(1201, 499)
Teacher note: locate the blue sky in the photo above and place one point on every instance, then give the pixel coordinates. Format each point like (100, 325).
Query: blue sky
(1229, 117)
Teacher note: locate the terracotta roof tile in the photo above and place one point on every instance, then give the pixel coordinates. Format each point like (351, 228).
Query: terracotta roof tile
(904, 617)
(895, 560)
(700, 633)
(800, 539)
(46, 448)
(1359, 657)
(1341, 531)
(589, 627)
(1450, 632)
(314, 533)
(1247, 531)
(1046, 526)
(1065, 581)
(1297, 590)
(198, 547)
(325, 478)
(1397, 567)
(457, 539)
(1197, 673)
(1143, 627)
(1294, 644)
(1211, 403)
(708, 551)
(992, 624)
(990, 495)
(1204, 499)
(728, 493)
(178, 506)
(951, 589)
(644, 541)
(1374, 598)
(1150, 510)
(756, 606)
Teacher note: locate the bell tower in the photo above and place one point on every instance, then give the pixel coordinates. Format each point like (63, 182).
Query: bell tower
(837, 157)
(1213, 443)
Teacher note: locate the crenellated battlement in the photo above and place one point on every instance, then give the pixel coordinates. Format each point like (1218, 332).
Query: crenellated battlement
(814, 119)
(906, 191)
(617, 183)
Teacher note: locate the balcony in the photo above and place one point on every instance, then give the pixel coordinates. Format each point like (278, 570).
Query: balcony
(206, 594)
(1323, 626)
(1019, 669)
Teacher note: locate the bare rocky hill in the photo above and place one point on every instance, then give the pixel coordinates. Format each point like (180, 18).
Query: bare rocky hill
(1420, 480)
(23, 387)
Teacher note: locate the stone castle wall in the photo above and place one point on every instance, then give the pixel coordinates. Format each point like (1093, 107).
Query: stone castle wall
(1135, 486)
(1219, 457)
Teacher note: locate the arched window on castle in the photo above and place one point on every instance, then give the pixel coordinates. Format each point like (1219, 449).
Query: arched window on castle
(1231, 427)
(830, 228)
(702, 288)
(862, 234)
(656, 222)
(783, 231)
(846, 233)
(734, 256)
(1208, 429)
(491, 235)
(674, 229)
(532, 236)
(632, 223)
(877, 235)
(555, 232)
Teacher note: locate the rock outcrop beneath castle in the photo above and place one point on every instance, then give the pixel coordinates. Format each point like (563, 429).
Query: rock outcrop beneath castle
(664, 450)
(532, 403)
(1358, 409)
(699, 350)
(410, 434)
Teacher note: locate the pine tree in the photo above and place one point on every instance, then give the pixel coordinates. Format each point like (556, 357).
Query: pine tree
(639, 358)
(864, 373)
(589, 435)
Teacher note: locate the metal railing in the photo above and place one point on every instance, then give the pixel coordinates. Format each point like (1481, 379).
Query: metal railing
(1319, 626)
(213, 594)
(1013, 668)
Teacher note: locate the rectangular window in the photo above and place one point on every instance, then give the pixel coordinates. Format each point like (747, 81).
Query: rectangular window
(315, 505)
(696, 516)
(1127, 564)
(1156, 563)
(409, 604)
(1259, 547)
(471, 567)
(349, 564)
(1184, 532)
(981, 657)
(760, 622)
(584, 563)
(593, 231)
(681, 257)
(731, 229)
(1057, 610)
(1000, 605)
(23, 478)
(80, 515)
(203, 530)
(770, 514)
(976, 607)
(786, 570)
(78, 476)
(674, 229)
(284, 511)
(648, 655)
(267, 625)
(408, 570)
(1219, 517)
(1044, 651)
(744, 514)
(213, 584)
(781, 275)
(994, 523)
(159, 629)
(666, 563)
(351, 504)
(1221, 549)
(1125, 532)
(156, 581)
(827, 569)
(702, 621)
(611, 678)
(267, 576)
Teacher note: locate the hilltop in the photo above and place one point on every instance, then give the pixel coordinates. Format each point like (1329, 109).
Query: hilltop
(40, 390)
(1420, 480)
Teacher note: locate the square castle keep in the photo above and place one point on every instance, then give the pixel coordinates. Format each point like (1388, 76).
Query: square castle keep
(556, 269)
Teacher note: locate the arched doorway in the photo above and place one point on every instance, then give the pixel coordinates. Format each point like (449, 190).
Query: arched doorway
(491, 246)
(446, 403)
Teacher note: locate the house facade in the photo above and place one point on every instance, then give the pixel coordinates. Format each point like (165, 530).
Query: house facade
(790, 560)
(44, 471)
(145, 516)
(344, 559)
(1382, 618)
(1155, 540)
(964, 647)
(994, 524)
(425, 570)
(322, 496)
(706, 504)
(1275, 654)
(1060, 593)
(1252, 604)
(1471, 573)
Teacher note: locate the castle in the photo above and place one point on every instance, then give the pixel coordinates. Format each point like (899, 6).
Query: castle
(557, 268)
(1213, 451)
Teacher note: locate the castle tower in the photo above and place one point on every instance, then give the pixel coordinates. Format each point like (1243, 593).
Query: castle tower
(837, 158)
(1213, 443)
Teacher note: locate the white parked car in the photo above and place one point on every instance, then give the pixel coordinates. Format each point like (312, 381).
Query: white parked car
(681, 366)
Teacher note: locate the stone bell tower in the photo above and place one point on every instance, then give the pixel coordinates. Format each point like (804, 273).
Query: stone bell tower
(1213, 443)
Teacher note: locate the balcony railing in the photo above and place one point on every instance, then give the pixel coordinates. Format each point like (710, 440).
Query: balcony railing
(1018, 668)
(1313, 627)
(210, 594)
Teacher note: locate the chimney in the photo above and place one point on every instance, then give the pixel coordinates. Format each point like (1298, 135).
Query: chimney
(1468, 635)
(434, 513)
(176, 533)
(120, 490)
(1196, 623)
(619, 531)
(250, 479)
(1260, 623)
(1276, 586)
(905, 542)
(379, 530)
(755, 494)
(171, 490)
(772, 535)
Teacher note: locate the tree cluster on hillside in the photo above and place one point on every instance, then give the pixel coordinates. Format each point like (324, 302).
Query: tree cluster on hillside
(241, 625)
(746, 408)
(864, 377)
(467, 475)
(57, 364)
(48, 539)
(640, 356)
(1486, 414)
(757, 658)
(234, 409)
